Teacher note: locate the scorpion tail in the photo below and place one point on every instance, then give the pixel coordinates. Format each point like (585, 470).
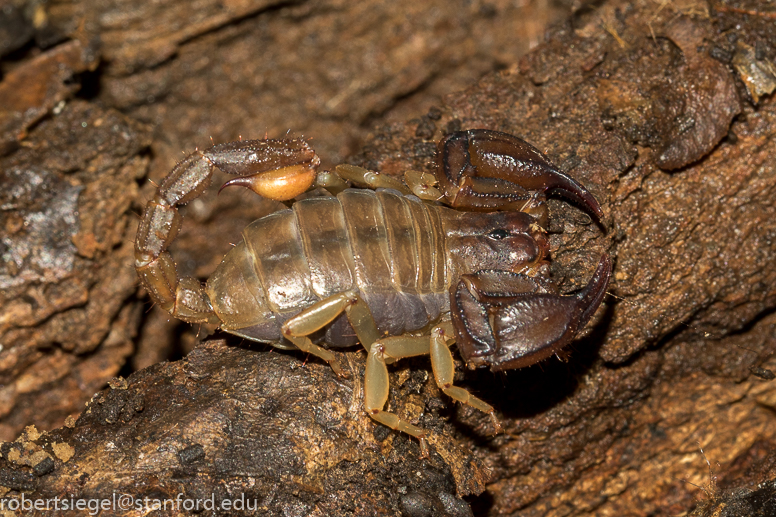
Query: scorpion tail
(522, 329)
(278, 169)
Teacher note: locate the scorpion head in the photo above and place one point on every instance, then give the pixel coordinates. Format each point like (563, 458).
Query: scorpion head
(509, 241)
(504, 315)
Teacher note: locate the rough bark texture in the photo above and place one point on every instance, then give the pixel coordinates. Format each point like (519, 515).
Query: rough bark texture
(664, 111)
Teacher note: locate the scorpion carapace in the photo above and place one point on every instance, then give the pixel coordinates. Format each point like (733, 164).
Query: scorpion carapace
(399, 273)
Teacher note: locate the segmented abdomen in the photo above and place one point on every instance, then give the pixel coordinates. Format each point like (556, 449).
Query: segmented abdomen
(388, 247)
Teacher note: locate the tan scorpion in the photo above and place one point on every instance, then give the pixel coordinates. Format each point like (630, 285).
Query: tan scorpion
(391, 268)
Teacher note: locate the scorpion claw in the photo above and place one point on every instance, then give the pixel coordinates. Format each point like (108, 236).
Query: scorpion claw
(486, 169)
(518, 330)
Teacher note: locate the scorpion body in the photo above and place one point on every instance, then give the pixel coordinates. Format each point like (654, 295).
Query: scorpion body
(400, 254)
(401, 275)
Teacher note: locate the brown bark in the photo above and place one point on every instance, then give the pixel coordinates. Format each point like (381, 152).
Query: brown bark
(664, 111)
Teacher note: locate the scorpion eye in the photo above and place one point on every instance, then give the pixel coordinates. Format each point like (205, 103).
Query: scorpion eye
(498, 234)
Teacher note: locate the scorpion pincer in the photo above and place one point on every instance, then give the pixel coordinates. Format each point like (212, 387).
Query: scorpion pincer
(389, 267)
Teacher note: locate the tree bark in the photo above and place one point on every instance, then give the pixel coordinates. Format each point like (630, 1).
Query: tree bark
(664, 111)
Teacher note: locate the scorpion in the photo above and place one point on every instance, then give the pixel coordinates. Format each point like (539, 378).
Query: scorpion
(405, 268)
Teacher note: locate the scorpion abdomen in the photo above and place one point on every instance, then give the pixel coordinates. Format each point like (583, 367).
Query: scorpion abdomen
(388, 247)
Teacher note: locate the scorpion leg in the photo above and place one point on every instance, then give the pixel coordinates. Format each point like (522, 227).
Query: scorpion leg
(444, 370)
(380, 352)
(390, 349)
(314, 318)
(330, 181)
(370, 179)
(423, 185)
(322, 313)
(376, 384)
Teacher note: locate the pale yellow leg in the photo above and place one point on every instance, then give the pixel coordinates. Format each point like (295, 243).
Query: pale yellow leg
(362, 321)
(376, 385)
(330, 181)
(382, 352)
(423, 185)
(444, 370)
(315, 318)
(370, 179)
